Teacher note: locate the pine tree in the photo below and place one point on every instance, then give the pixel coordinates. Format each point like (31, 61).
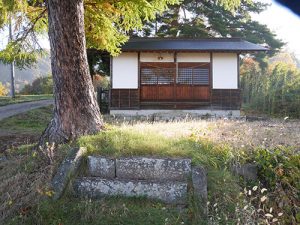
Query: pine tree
(206, 18)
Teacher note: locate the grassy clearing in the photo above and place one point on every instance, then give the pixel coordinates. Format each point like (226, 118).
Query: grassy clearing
(5, 100)
(32, 122)
(215, 144)
(24, 128)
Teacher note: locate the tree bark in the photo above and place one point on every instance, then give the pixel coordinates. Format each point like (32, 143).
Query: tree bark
(76, 111)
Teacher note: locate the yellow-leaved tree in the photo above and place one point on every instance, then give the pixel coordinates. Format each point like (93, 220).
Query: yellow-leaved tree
(3, 90)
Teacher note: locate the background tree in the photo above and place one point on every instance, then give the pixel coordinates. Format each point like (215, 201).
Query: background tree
(41, 85)
(28, 20)
(206, 19)
(99, 61)
(275, 91)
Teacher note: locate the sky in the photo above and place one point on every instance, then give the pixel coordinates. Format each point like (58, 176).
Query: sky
(278, 18)
(284, 23)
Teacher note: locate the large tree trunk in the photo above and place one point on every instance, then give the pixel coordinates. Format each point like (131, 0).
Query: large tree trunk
(76, 111)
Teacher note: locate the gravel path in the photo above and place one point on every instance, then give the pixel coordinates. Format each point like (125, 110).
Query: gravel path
(14, 109)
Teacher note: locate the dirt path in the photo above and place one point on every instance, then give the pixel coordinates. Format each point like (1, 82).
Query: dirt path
(14, 109)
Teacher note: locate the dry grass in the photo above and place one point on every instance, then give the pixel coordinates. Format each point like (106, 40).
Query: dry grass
(236, 133)
(24, 181)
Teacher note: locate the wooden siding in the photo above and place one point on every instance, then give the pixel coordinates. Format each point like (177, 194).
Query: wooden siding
(125, 99)
(177, 93)
(192, 93)
(223, 99)
(227, 99)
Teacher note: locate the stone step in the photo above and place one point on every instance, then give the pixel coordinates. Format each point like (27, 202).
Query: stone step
(140, 168)
(171, 192)
(101, 167)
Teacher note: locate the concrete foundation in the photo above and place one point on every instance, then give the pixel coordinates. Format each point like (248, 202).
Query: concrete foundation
(150, 112)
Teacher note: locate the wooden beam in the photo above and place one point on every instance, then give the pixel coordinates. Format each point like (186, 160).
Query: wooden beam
(211, 77)
(139, 76)
(238, 71)
(111, 81)
(176, 75)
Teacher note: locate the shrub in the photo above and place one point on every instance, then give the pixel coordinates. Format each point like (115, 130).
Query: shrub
(41, 85)
(279, 169)
(101, 81)
(3, 90)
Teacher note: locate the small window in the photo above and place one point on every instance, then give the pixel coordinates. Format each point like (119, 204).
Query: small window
(201, 76)
(165, 75)
(148, 76)
(158, 74)
(193, 75)
(185, 76)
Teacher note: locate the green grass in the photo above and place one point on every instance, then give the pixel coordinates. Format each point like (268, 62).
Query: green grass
(5, 100)
(112, 211)
(33, 121)
(118, 141)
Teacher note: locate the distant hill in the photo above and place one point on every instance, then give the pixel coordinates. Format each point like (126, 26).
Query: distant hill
(26, 76)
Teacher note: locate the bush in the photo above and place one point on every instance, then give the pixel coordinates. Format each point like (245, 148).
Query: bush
(279, 170)
(101, 81)
(41, 85)
(3, 90)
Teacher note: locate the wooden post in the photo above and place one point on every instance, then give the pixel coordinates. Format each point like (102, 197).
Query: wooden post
(12, 66)
(175, 80)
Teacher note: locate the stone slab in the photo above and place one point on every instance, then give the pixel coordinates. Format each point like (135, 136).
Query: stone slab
(67, 168)
(168, 192)
(199, 180)
(101, 167)
(142, 168)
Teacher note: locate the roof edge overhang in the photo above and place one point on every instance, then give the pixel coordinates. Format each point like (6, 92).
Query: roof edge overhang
(169, 44)
(191, 50)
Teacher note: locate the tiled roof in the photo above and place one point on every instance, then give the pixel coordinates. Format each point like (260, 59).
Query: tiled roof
(210, 44)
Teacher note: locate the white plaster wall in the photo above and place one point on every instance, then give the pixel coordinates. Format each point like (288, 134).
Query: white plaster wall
(125, 70)
(153, 57)
(225, 74)
(193, 57)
